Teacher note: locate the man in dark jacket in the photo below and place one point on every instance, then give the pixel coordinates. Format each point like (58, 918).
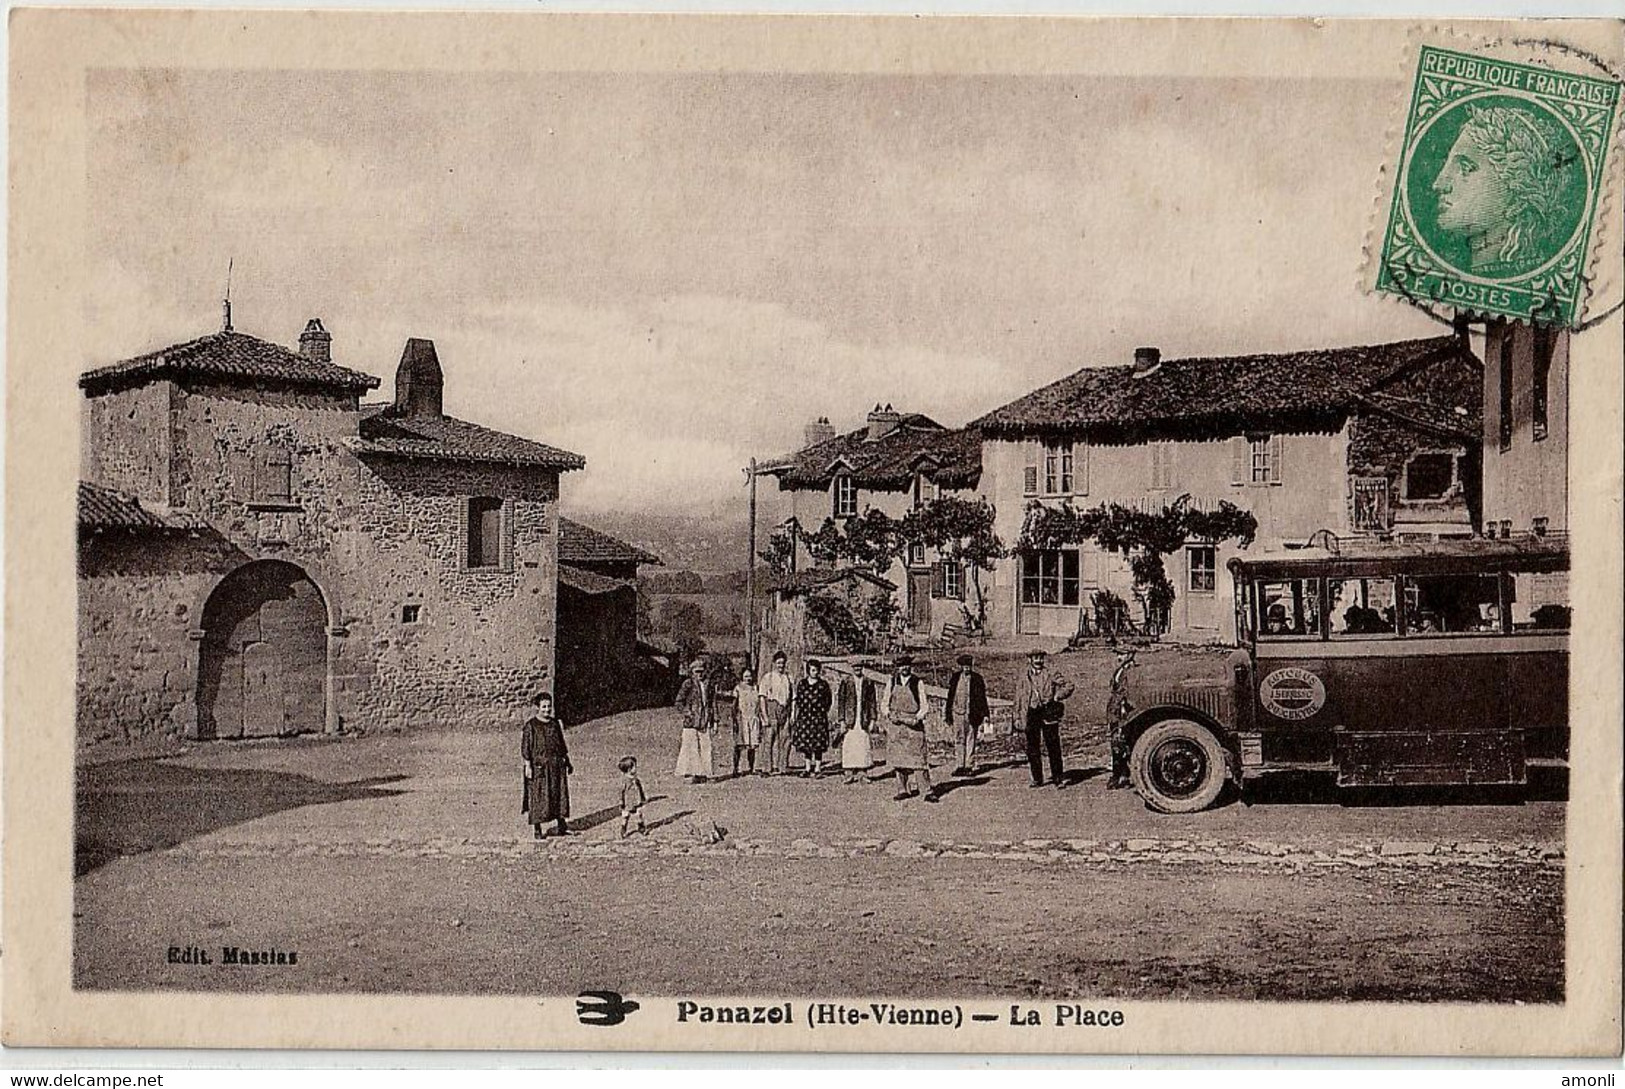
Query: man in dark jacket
(1039, 708)
(965, 711)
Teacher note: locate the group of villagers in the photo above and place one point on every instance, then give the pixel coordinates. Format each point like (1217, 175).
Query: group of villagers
(774, 714)
(771, 715)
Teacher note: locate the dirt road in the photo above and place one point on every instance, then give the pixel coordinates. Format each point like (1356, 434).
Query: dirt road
(400, 864)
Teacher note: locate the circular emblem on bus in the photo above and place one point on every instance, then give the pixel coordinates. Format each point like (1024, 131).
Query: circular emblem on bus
(1292, 693)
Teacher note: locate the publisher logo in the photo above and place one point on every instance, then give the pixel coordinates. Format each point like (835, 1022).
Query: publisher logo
(603, 1007)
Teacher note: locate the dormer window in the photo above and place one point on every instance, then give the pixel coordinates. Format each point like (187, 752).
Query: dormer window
(924, 490)
(846, 496)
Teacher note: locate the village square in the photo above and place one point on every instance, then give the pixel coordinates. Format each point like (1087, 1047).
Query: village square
(307, 650)
(1230, 662)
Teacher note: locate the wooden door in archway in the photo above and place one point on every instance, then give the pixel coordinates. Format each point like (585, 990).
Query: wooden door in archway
(263, 660)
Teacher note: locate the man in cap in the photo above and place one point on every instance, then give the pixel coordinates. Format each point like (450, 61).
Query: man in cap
(905, 709)
(1040, 706)
(965, 711)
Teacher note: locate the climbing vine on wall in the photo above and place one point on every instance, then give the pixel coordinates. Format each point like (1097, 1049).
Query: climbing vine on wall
(1144, 537)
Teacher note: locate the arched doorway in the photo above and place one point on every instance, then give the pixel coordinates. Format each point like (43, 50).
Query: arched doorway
(263, 659)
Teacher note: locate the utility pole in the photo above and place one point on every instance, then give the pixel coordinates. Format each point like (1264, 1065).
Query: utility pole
(750, 575)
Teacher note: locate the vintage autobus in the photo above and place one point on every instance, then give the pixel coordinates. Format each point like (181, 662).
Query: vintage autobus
(1382, 664)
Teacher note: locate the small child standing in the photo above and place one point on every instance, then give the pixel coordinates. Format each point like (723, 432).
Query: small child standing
(855, 753)
(633, 799)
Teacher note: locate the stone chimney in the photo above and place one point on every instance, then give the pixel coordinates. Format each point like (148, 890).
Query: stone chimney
(316, 343)
(1146, 361)
(820, 430)
(883, 421)
(418, 381)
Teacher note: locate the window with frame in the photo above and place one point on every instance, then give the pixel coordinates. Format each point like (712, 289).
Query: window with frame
(846, 496)
(1264, 459)
(1361, 606)
(273, 476)
(950, 580)
(1452, 604)
(484, 532)
(1504, 381)
(1162, 465)
(1430, 475)
(1202, 563)
(1545, 345)
(915, 556)
(1058, 469)
(1288, 609)
(924, 490)
(1538, 601)
(1050, 577)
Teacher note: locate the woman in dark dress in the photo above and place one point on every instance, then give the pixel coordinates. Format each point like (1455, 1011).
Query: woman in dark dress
(810, 728)
(547, 770)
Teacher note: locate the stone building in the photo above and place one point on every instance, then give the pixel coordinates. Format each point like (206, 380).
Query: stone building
(262, 554)
(602, 668)
(1378, 441)
(895, 463)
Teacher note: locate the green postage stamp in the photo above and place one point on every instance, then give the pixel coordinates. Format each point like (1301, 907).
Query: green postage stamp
(1499, 179)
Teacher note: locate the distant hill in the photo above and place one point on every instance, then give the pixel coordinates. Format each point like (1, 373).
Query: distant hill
(709, 544)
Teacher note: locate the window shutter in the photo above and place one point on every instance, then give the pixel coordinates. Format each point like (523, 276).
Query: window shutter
(1275, 460)
(1029, 474)
(939, 580)
(1240, 452)
(1080, 468)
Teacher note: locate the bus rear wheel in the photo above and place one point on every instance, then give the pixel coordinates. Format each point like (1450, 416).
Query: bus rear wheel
(1178, 766)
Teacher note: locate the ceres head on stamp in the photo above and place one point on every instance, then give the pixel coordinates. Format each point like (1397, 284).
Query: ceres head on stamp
(1501, 186)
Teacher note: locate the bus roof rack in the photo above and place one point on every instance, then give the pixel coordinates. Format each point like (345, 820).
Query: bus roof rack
(1444, 557)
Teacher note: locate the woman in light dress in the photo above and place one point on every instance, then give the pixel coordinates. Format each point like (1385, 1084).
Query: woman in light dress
(748, 714)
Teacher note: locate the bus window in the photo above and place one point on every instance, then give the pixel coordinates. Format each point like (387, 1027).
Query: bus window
(1539, 602)
(1361, 606)
(1289, 609)
(1452, 604)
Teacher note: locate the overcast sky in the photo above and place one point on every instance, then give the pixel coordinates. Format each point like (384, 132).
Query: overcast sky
(668, 274)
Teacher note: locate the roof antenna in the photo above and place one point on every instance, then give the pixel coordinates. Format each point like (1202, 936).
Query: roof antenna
(225, 304)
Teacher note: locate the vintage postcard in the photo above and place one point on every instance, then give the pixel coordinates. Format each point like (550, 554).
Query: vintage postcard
(796, 533)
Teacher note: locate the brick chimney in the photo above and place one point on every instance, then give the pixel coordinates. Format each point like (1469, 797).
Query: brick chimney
(418, 381)
(883, 421)
(820, 430)
(1146, 361)
(316, 343)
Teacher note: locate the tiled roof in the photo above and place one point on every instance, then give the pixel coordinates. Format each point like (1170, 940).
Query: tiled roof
(1215, 396)
(1467, 422)
(583, 544)
(589, 582)
(950, 458)
(103, 508)
(229, 357)
(447, 439)
(806, 581)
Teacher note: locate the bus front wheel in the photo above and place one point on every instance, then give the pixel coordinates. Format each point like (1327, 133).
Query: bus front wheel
(1178, 766)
